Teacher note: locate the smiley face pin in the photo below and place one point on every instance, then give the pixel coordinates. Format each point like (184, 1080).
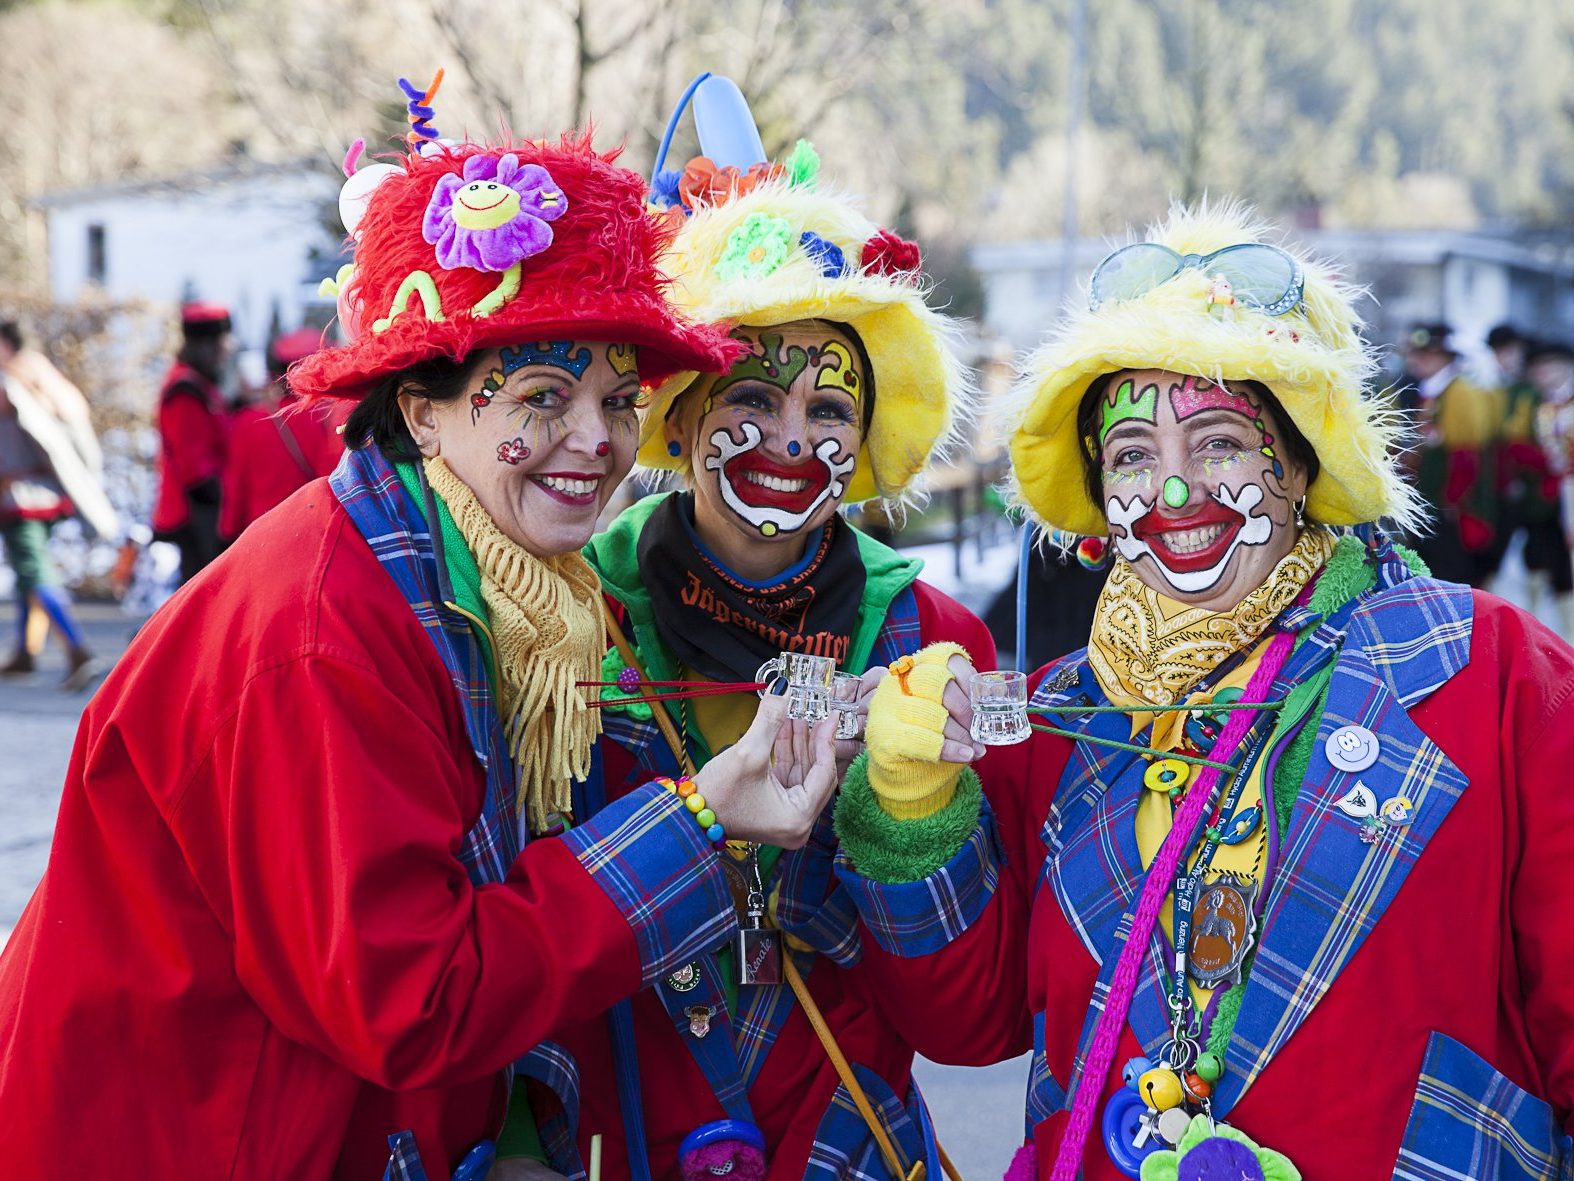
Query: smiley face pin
(1352, 748)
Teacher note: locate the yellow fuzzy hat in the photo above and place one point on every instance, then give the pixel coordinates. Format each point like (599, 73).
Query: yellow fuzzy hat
(786, 251)
(1312, 357)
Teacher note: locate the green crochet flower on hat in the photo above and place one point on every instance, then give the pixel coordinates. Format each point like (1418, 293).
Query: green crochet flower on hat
(756, 248)
(613, 669)
(1213, 1152)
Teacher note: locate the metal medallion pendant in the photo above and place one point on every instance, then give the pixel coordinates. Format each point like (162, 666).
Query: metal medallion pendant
(758, 953)
(1222, 932)
(686, 978)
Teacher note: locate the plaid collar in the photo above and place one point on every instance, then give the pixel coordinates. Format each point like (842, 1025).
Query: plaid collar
(1392, 647)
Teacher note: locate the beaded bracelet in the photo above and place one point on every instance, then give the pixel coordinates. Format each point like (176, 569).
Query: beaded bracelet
(686, 791)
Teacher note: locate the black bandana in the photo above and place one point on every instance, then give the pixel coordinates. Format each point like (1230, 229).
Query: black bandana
(723, 627)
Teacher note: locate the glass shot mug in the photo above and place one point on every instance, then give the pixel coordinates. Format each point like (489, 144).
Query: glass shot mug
(845, 690)
(808, 683)
(999, 708)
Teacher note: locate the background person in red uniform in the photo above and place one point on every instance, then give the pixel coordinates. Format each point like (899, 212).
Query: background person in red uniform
(280, 443)
(296, 921)
(193, 425)
(1348, 946)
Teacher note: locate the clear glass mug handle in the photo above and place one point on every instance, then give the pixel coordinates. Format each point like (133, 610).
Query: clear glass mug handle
(770, 672)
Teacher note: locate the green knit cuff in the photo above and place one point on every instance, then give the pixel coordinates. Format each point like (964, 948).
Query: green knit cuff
(887, 850)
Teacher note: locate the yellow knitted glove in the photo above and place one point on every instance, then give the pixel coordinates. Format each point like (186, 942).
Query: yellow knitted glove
(904, 734)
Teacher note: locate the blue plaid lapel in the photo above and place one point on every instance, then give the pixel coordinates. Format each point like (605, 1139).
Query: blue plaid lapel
(396, 529)
(397, 532)
(714, 1052)
(1092, 864)
(1400, 645)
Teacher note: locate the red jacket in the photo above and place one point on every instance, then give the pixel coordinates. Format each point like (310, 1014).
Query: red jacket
(1473, 944)
(795, 1084)
(253, 953)
(193, 441)
(273, 450)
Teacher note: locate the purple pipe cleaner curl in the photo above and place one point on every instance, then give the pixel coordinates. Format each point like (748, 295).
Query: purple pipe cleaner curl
(494, 216)
(420, 116)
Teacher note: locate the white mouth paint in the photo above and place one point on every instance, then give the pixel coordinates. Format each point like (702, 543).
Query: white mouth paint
(771, 521)
(1255, 531)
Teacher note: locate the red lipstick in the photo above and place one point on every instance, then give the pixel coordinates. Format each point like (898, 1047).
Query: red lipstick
(759, 495)
(1163, 533)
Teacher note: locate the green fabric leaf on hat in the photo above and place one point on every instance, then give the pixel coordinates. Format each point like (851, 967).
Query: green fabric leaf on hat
(756, 248)
(1161, 1166)
(803, 164)
(611, 665)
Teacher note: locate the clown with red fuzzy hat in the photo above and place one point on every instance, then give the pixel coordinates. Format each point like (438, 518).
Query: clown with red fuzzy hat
(297, 914)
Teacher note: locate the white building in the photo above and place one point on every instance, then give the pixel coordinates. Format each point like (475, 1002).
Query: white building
(252, 236)
(1470, 280)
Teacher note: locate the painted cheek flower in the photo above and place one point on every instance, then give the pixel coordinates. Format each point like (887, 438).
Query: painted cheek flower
(492, 215)
(513, 451)
(756, 248)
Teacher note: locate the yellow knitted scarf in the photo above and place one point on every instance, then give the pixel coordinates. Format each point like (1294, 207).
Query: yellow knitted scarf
(547, 634)
(1148, 649)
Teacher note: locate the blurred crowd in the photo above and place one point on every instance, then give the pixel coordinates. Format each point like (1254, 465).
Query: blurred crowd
(1494, 458)
(224, 459)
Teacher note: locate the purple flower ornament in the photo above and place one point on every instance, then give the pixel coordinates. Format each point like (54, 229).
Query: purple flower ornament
(494, 216)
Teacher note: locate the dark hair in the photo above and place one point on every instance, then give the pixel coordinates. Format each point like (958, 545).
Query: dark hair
(377, 418)
(1295, 447)
(866, 410)
(11, 333)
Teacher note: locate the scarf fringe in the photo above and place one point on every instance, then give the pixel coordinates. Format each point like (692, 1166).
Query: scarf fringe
(549, 635)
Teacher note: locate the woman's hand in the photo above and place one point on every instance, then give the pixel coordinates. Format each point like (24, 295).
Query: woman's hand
(771, 785)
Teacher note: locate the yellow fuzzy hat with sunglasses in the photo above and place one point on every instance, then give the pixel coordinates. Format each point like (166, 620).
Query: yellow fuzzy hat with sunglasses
(762, 245)
(1207, 294)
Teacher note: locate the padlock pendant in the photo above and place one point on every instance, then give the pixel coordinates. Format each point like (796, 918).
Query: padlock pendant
(757, 952)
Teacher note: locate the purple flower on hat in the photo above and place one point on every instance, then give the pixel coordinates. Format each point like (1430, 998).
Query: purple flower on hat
(493, 216)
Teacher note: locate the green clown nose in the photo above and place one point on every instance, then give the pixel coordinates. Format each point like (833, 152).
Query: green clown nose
(1175, 492)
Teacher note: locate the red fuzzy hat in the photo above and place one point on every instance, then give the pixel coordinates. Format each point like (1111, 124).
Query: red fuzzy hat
(467, 246)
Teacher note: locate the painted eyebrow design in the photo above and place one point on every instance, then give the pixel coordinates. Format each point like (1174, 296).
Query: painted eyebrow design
(1218, 415)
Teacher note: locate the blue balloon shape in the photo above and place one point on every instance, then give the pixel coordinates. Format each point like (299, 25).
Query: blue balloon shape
(725, 125)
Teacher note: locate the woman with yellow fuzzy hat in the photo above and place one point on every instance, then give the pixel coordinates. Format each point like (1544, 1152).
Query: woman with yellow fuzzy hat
(1286, 852)
(848, 386)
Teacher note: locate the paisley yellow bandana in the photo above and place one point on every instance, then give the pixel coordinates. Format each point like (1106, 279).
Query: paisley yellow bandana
(549, 633)
(1148, 649)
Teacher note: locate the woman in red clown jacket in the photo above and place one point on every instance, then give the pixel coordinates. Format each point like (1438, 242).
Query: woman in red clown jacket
(295, 922)
(1287, 861)
(847, 387)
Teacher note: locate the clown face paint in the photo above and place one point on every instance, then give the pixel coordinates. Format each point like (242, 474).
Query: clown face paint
(544, 438)
(1199, 498)
(775, 442)
(776, 503)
